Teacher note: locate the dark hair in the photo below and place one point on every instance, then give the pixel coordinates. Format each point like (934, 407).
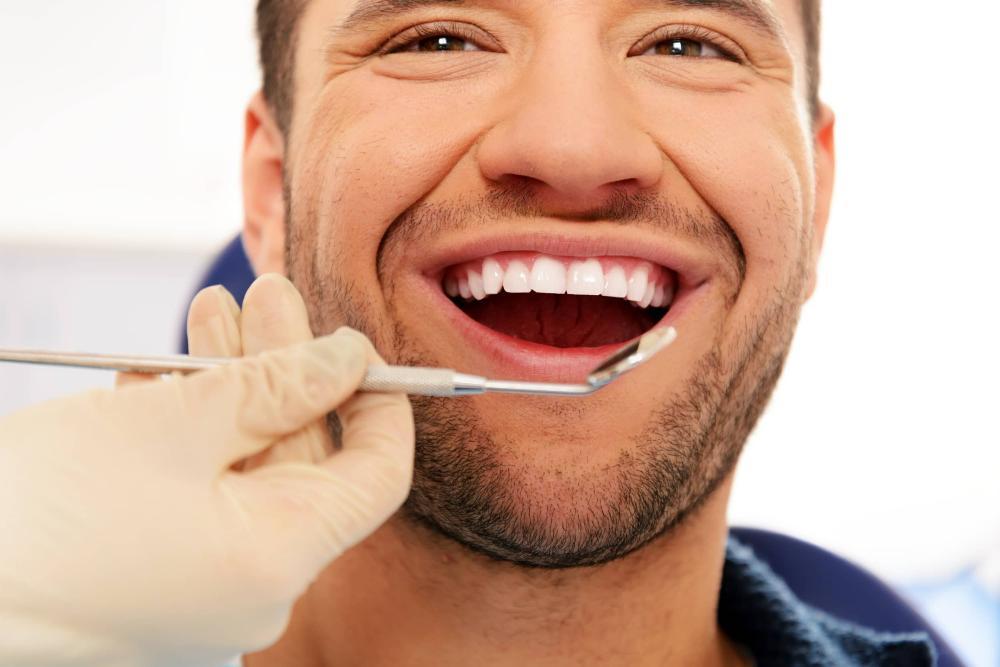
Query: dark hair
(277, 32)
(811, 26)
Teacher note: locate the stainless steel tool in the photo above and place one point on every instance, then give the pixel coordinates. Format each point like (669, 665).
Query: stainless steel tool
(388, 379)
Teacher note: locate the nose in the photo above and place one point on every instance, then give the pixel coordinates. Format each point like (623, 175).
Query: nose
(571, 134)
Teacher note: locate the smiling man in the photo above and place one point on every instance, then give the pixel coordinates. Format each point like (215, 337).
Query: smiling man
(513, 189)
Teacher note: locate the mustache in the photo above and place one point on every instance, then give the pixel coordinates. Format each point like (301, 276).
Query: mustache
(620, 206)
(423, 220)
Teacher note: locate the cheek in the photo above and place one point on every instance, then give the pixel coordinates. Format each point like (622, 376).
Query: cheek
(746, 158)
(367, 155)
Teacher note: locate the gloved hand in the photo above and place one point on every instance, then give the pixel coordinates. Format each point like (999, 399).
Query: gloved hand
(135, 531)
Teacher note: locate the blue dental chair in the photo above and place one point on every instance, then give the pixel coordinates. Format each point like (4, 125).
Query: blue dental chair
(816, 576)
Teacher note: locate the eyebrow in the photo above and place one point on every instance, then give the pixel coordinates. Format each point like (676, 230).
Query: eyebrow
(368, 11)
(753, 12)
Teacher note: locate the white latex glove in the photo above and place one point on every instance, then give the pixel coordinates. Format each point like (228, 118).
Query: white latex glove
(132, 534)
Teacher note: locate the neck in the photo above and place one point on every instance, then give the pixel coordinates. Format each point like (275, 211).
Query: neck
(408, 597)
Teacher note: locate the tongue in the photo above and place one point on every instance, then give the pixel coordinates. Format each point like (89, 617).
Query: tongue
(561, 320)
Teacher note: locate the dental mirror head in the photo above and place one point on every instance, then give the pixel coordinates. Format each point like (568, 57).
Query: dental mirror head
(622, 361)
(631, 356)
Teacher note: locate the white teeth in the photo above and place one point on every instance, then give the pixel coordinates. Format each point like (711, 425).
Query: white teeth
(492, 276)
(515, 280)
(647, 298)
(476, 286)
(615, 283)
(586, 278)
(668, 296)
(548, 276)
(637, 284)
(658, 297)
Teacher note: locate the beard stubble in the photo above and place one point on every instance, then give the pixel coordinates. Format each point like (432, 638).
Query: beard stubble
(464, 490)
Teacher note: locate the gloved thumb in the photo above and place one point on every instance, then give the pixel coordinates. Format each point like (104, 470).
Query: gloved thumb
(245, 406)
(301, 514)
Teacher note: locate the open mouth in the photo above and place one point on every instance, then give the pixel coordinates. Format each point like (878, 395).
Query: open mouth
(562, 302)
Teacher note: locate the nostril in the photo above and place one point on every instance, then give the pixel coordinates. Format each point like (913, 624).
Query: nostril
(626, 185)
(519, 182)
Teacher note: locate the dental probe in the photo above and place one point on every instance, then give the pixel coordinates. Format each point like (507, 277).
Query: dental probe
(411, 380)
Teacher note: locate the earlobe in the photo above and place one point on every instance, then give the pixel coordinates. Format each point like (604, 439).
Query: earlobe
(825, 165)
(263, 191)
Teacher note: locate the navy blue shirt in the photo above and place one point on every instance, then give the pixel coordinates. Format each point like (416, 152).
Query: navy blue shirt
(759, 612)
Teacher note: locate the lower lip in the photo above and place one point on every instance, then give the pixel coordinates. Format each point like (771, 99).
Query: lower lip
(512, 358)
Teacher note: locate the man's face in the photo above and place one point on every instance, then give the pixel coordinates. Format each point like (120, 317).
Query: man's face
(657, 152)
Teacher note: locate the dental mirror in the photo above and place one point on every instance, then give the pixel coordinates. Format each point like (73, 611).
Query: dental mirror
(622, 361)
(631, 356)
(386, 379)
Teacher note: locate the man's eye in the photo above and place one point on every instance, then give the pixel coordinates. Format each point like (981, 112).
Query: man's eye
(437, 42)
(688, 48)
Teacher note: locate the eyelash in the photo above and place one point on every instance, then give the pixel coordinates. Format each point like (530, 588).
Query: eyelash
(730, 51)
(424, 30)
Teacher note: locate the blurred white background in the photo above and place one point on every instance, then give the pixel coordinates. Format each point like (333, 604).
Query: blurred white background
(120, 137)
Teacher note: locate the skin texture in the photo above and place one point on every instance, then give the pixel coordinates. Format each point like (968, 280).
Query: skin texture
(389, 157)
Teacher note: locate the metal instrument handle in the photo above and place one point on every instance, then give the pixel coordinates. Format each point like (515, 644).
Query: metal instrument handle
(419, 381)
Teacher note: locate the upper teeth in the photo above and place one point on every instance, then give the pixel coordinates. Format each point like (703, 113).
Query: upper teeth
(641, 282)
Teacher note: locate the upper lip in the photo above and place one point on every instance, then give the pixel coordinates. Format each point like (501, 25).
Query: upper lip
(690, 263)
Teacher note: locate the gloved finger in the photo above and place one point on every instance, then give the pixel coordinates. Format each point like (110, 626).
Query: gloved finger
(213, 324)
(126, 379)
(349, 495)
(275, 316)
(245, 406)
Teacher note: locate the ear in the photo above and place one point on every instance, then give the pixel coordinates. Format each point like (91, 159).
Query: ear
(263, 192)
(825, 163)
